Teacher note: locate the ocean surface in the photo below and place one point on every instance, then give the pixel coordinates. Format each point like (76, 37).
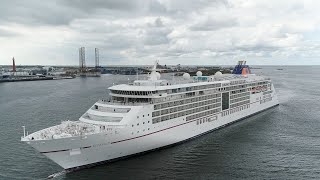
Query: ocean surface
(280, 143)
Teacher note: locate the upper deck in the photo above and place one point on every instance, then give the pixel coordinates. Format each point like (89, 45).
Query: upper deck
(154, 87)
(143, 92)
(154, 90)
(148, 88)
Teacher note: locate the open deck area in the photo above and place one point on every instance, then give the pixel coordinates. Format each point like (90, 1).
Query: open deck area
(64, 130)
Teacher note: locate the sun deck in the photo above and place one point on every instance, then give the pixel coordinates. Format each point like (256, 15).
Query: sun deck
(64, 130)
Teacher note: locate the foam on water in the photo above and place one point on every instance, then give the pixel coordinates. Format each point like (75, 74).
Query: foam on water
(55, 175)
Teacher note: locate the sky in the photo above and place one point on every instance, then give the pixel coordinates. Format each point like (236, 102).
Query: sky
(138, 32)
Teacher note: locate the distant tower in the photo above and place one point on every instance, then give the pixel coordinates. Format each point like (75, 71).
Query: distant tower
(82, 59)
(96, 50)
(13, 65)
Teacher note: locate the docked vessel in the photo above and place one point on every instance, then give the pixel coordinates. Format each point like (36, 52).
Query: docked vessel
(153, 113)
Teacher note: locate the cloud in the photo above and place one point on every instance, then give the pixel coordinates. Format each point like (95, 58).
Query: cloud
(37, 13)
(7, 33)
(176, 32)
(213, 23)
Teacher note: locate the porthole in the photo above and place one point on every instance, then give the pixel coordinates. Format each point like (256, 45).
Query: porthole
(142, 115)
(138, 124)
(132, 125)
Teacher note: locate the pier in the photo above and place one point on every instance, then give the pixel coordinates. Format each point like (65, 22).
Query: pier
(34, 73)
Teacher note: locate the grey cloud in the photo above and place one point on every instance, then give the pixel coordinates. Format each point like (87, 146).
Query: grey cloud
(62, 12)
(6, 33)
(177, 6)
(149, 28)
(36, 12)
(157, 33)
(119, 41)
(213, 23)
(158, 22)
(57, 12)
(257, 47)
(156, 36)
(96, 4)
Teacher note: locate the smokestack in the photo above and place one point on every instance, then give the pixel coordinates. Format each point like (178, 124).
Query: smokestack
(13, 65)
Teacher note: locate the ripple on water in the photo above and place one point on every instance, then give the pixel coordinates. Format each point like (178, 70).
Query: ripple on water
(281, 143)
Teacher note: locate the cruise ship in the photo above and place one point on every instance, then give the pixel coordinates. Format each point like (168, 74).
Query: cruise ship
(149, 114)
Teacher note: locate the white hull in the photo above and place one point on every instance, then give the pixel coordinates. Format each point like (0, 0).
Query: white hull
(85, 150)
(154, 113)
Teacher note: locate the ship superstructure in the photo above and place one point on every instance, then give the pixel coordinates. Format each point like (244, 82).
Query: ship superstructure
(154, 113)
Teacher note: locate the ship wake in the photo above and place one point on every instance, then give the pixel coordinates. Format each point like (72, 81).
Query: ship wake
(55, 175)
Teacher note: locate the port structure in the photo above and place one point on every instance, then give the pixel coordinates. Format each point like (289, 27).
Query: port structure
(82, 61)
(96, 53)
(13, 65)
(85, 71)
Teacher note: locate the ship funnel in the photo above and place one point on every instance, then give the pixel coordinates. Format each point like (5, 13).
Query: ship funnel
(241, 68)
